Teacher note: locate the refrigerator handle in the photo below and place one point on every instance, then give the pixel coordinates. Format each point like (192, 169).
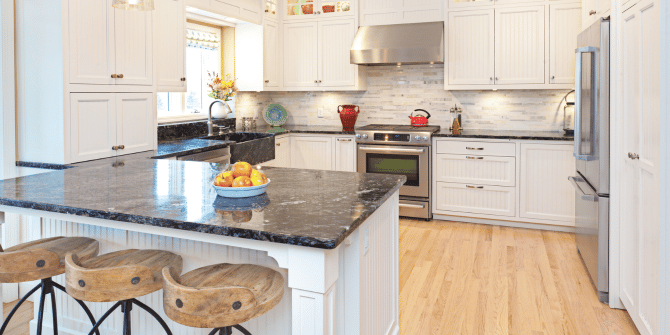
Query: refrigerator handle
(582, 195)
(578, 97)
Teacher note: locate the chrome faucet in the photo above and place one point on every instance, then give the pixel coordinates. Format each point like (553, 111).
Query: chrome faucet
(210, 124)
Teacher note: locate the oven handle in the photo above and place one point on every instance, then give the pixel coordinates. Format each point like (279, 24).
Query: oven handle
(392, 149)
(412, 206)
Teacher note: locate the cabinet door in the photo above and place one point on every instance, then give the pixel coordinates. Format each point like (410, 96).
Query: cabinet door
(283, 152)
(170, 45)
(333, 8)
(135, 122)
(134, 47)
(300, 54)
(471, 47)
(92, 126)
(345, 154)
(480, 170)
(335, 38)
(519, 43)
(312, 152)
(91, 42)
(545, 192)
(271, 53)
(565, 24)
(475, 199)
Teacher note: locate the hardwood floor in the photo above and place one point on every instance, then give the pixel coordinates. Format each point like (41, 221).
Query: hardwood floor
(19, 324)
(461, 278)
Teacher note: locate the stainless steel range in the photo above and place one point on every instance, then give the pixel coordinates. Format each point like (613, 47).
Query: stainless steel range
(400, 150)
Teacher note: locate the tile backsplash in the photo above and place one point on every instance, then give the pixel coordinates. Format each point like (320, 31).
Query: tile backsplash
(394, 92)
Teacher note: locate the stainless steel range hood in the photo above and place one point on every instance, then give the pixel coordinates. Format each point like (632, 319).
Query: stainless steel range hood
(414, 43)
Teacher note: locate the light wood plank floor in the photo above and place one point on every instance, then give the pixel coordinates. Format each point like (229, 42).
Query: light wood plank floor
(461, 278)
(20, 322)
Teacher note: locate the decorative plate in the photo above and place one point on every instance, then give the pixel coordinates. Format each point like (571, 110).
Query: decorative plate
(275, 115)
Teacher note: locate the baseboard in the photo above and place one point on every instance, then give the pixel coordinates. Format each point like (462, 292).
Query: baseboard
(513, 224)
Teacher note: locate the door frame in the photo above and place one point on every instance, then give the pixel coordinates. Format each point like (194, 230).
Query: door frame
(664, 327)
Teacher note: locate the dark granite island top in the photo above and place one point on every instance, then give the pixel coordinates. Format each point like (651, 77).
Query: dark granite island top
(302, 207)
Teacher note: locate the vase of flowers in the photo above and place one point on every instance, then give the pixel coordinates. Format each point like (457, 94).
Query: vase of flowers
(221, 91)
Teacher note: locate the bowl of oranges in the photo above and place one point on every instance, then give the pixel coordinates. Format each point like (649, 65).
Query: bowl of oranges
(241, 181)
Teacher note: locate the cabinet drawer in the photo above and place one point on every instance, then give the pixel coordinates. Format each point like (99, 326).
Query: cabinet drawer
(476, 148)
(476, 199)
(471, 169)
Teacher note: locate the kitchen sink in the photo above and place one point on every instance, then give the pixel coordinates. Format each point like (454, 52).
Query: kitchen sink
(253, 148)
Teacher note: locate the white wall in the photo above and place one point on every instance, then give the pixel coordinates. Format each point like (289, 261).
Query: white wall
(7, 96)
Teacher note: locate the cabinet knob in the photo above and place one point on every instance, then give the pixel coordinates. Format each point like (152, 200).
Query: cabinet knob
(592, 12)
(553, 77)
(316, 81)
(114, 76)
(183, 79)
(267, 81)
(121, 147)
(115, 148)
(491, 78)
(120, 76)
(633, 156)
(279, 144)
(319, 81)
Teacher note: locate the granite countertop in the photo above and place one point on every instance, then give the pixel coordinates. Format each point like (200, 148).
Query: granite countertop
(509, 135)
(178, 195)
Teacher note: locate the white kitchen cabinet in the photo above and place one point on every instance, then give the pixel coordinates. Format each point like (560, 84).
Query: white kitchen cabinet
(257, 56)
(245, 10)
(93, 126)
(519, 39)
(472, 169)
(380, 12)
(335, 39)
(135, 120)
(640, 161)
(300, 54)
(565, 24)
(345, 154)
(109, 45)
(312, 152)
(305, 10)
(471, 47)
(282, 152)
(476, 199)
(544, 189)
(101, 121)
(170, 45)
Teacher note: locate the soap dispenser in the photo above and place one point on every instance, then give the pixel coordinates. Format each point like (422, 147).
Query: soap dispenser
(456, 125)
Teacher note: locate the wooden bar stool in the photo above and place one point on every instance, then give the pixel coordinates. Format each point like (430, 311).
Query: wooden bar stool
(41, 260)
(221, 296)
(120, 276)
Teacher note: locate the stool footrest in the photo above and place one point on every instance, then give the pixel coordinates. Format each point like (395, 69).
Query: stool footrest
(229, 330)
(126, 308)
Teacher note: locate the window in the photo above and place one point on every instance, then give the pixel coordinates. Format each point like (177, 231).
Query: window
(203, 54)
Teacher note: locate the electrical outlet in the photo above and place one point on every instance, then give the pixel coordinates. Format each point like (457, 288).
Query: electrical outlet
(319, 112)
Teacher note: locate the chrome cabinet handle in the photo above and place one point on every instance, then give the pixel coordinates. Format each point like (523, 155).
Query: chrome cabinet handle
(471, 148)
(115, 148)
(412, 206)
(578, 96)
(592, 12)
(473, 157)
(386, 149)
(344, 140)
(475, 187)
(633, 156)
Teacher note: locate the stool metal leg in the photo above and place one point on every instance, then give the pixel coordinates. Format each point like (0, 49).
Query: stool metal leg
(242, 329)
(49, 283)
(229, 330)
(16, 308)
(40, 315)
(81, 303)
(154, 314)
(104, 316)
(126, 307)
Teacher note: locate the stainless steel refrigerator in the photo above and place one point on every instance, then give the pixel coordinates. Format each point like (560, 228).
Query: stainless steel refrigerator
(592, 150)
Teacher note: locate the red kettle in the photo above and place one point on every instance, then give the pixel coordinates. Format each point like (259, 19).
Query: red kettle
(420, 121)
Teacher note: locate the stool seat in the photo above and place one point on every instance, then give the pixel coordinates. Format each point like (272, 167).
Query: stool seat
(221, 295)
(118, 276)
(44, 258)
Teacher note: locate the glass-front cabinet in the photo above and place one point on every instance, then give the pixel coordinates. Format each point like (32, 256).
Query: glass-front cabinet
(304, 9)
(271, 8)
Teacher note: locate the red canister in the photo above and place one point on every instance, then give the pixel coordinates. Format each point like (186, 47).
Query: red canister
(348, 115)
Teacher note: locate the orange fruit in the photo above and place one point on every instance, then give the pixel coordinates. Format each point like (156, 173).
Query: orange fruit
(242, 169)
(259, 179)
(226, 181)
(242, 182)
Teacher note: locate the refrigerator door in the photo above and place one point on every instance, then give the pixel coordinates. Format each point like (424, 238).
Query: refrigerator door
(592, 234)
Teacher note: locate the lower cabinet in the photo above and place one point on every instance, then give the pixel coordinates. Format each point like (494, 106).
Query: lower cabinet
(312, 152)
(345, 154)
(521, 181)
(315, 152)
(282, 152)
(106, 124)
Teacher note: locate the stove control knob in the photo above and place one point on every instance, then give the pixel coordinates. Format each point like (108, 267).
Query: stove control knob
(365, 136)
(425, 138)
(358, 135)
(417, 137)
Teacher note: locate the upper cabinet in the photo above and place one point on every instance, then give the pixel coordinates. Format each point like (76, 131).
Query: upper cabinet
(309, 9)
(109, 46)
(245, 10)
(170, 45)
(257, 56)
(592, 10)
(511, 46)
(380, 12)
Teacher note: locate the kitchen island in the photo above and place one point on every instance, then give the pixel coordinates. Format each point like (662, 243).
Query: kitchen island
(333, 236)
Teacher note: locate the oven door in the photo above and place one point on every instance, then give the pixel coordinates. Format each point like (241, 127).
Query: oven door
(412, 162)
